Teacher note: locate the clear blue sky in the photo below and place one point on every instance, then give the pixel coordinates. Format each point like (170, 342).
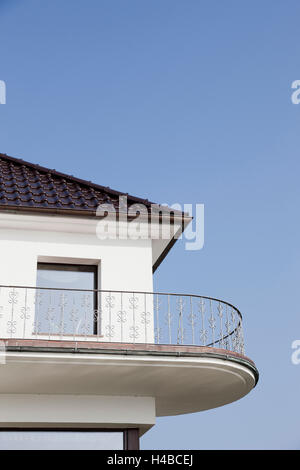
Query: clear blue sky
(183, 102)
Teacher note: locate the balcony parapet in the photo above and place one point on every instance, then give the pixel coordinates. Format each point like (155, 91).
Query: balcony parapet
(119, 317)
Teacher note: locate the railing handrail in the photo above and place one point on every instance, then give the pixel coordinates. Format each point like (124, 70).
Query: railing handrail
(126, 292)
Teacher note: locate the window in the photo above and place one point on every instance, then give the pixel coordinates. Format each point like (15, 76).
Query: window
(61, 440)
(66, 302)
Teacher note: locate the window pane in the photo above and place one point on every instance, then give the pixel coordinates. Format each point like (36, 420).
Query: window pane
(65, 277)
(66, 312)
(60, 440)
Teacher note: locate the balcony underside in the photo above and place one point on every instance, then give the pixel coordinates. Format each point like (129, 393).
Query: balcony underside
(182, 379)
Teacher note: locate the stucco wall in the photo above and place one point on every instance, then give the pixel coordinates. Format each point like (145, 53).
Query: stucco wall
(124, 265)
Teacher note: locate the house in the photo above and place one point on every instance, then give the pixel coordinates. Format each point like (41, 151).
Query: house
(90, 354)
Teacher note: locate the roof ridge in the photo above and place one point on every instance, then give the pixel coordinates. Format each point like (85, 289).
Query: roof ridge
(88, 184)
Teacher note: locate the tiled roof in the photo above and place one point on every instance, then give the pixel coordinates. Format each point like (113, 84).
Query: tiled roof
(27, 186)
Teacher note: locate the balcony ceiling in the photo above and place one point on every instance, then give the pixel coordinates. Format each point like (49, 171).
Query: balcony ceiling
(194, 380)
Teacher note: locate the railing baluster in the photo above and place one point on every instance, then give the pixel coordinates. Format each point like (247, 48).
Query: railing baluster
(73, 318)
(220, 315)
(169, 321)
(180, 321)
(110, 325)
(242, 344)
(192, 320)
(145, 316)
(157, 320)
(24, 313)
(37, 310)
(62, 314)
(212, 322)
(203, 332)
(234, 334)
(99, 314)
(121, 317)
(133, 318)
(49, 315)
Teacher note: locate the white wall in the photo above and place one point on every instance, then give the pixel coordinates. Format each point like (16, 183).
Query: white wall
(26, 239)
(77, 410)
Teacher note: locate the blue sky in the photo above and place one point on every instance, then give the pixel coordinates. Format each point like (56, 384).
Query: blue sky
(186, 102)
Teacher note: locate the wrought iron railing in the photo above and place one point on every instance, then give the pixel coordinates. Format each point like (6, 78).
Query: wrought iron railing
(119, 316)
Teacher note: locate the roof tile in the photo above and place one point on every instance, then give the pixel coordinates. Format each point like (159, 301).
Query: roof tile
(25, 185)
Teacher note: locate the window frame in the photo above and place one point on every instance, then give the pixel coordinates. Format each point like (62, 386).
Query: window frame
(90, 268)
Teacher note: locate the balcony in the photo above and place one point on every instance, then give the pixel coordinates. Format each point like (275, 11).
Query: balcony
(186, 351)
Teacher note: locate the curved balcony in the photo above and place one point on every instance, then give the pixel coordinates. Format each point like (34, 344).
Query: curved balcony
(184, 351)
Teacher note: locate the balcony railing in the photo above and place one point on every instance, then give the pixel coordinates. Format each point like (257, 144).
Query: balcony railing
(115, 316)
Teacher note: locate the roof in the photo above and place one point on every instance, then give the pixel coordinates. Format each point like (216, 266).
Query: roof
(28, 186)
